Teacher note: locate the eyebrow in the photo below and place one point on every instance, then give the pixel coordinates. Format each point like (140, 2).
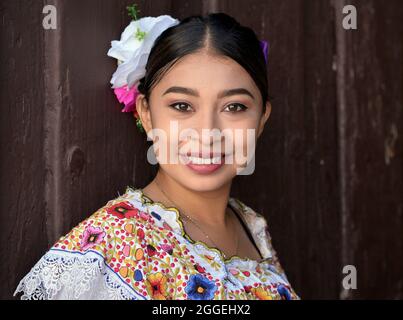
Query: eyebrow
(222, 94)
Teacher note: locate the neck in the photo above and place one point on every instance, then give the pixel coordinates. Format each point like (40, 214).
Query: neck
(207, 207)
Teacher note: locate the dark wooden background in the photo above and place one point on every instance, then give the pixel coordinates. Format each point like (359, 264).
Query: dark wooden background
(329, 173)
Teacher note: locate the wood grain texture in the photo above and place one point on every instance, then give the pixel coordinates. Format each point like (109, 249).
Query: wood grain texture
(370, 106)
(22, 169)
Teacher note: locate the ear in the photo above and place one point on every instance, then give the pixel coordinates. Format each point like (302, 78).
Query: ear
(264, 118)
(143, 110)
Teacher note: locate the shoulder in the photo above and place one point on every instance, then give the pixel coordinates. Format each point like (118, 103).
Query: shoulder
(260, 226)
(255, 220)
(90, 261)
(108, 229)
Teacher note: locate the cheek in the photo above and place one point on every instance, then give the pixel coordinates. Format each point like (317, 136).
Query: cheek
(243, 129)
(246, 119)
(160, 120)
(245, 140)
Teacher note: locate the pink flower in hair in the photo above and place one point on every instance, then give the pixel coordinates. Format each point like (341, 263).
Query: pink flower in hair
(128, 98)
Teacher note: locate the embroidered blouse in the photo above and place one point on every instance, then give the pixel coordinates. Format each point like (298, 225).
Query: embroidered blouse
(135, 248)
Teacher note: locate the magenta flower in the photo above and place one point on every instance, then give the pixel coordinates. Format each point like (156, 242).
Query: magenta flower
(127, 97)
(91, 237)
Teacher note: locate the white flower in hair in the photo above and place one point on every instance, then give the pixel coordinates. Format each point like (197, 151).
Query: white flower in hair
(134, 47)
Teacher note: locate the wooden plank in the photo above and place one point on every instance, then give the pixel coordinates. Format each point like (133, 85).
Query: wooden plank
(22, 220)
(319, 221)
(370, 125)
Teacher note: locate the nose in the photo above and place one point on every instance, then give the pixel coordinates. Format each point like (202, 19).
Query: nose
(207, 119)
(209, 127)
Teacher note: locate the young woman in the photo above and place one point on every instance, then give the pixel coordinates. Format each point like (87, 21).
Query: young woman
(182, 236)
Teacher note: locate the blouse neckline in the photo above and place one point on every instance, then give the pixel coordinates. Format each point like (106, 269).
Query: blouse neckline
(250, 222)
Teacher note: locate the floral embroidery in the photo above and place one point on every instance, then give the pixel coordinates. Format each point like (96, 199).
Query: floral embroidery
(261, 293)
(199, 268)
(167, 248)
(125, 210)
(284, 293)
(143, 246)
(157, 286)
(212, 261)
(200, 288)
(91, 237)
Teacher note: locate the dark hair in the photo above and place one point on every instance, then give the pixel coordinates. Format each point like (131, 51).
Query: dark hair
(224, 36)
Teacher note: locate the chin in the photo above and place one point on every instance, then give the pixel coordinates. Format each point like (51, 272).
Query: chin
(205, 182)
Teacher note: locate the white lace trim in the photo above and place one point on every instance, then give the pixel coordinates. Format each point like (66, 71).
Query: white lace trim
(68, 275)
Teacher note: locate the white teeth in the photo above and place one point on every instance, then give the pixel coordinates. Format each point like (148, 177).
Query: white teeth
(197, 160)
(216, 160)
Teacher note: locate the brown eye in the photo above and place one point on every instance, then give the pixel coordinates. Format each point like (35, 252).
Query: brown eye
(181, 106)
(236, 107)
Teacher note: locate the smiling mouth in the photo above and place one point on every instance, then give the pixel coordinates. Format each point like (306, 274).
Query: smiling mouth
(204, 159)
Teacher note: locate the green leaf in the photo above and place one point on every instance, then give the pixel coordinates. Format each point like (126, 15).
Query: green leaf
(133, 11)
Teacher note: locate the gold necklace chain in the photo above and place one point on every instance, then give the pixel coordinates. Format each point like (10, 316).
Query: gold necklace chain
(192, 220)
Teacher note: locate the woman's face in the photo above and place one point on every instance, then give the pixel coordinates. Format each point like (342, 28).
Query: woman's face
(191, 100)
